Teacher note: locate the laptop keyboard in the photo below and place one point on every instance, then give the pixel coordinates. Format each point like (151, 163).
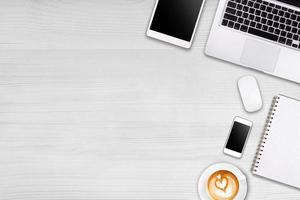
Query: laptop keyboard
(264, 19)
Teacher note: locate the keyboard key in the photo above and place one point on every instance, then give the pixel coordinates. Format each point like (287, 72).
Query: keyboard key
(280, 13)
(288, 28)
(284, 8)
(257, 19)
(295, 24)
(237, 26)
(272, 4)
(244, 2)
(288, 22)
(289, 35)
(265, 3)
(265, 28)
(263, 14)
(251, 17)
(275, 24)
(239, 7)
(243, 28)
(282, 40)
(294, 30)
(263, 7)
(277, 31)
(257, 12)
(224, 22)
(293, 16)
(263, 34)
(283, 33)
(230, 24)
(239, 13)
(289, 42)
(278, 6)
(276, 18)
(246, 22)
(269, 9)
(256, 5)
(282, 20)
(230, 17)
(230, 11)
(245, 9)
(271, 30)
(281, 26)
(274, 11)
(250, 3)
(270, 16)
(296, 37)
(245, 15)
(298, 18)
(291, 11)
(270, 23)
(240, 20)
(252, 24)
(252, 10)
(263, 21)
(258, 25)
(287, 15)
(231, 4)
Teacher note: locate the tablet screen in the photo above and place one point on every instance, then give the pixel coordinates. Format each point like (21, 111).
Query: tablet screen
(176, 18)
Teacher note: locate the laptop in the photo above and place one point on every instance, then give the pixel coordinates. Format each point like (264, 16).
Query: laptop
(259, 34)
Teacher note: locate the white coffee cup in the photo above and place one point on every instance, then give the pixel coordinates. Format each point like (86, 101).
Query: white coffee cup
(203, 180)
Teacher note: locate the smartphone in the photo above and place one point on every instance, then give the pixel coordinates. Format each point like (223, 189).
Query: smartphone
(175, 21)
(237, 137)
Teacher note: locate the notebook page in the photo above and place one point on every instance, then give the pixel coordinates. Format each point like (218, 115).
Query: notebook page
(280, 159)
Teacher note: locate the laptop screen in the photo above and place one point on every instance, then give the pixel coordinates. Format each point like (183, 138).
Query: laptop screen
(292, 2)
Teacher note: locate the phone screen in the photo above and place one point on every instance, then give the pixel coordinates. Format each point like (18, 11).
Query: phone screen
(237, 137)
(176, 18)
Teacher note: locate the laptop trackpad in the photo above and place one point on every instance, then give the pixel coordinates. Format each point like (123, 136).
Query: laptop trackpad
(260, 55)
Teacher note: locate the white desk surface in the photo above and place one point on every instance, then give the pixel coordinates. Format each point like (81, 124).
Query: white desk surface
(92, 109)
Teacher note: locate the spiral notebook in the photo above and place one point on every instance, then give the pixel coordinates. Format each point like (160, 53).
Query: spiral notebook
(278, 154)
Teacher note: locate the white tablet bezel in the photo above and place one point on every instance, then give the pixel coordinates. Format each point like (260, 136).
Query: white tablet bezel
(171, 39)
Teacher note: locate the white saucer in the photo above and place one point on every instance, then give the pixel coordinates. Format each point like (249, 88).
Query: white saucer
(241, 195)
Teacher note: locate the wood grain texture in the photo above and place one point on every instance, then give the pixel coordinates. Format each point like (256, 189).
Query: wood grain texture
(92, 109)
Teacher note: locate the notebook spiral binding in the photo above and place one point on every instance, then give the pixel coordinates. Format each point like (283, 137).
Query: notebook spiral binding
(265, 134)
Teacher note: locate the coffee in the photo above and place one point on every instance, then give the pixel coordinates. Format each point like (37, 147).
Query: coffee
(222, 185)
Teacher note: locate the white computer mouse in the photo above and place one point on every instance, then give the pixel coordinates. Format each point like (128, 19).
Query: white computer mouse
(250, 93)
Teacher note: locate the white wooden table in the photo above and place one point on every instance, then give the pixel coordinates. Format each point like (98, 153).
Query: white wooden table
(92, 109)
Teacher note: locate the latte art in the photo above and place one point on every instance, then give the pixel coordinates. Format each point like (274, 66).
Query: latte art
(222, 185)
